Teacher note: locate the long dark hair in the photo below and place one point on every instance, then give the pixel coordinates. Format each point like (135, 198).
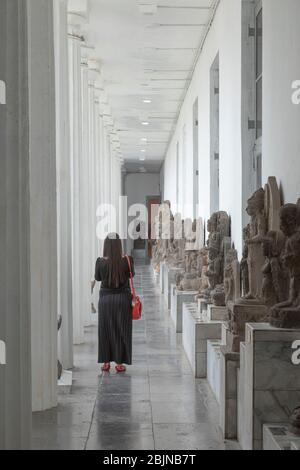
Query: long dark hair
(113, 252)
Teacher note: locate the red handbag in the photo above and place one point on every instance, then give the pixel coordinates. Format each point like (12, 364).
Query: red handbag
(137, 306)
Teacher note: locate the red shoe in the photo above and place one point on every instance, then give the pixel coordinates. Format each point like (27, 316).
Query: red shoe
(120, 369)
(106, 367)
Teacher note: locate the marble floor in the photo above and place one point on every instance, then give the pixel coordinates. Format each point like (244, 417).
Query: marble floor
(156, 405)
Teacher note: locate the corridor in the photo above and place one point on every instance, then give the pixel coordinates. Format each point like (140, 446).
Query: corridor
(157, 405)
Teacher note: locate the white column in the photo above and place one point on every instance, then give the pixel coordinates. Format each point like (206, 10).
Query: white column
(15, 376)
(64, 230)
(76, 155)
(85, 203)
(43, 207)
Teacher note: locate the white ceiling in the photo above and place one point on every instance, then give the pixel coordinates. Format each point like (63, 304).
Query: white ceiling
(146, 57)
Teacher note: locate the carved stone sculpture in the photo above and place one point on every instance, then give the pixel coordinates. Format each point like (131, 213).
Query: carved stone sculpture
(244, 263)
(191, 278)
(230, 276)
(295, 422)
(287, 314)
(275, 275)
(257, 232)
(219, 228)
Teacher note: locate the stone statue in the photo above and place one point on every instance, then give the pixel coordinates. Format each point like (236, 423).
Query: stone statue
(219, 228)
(191, 278)
(257, 232)
(275, 276)
(295, 422)
(287, 314)
(164, 229)
(204, 284)
(230, 276)
(244, 263)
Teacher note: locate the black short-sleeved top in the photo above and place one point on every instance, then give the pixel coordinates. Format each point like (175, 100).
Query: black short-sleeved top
(101, 273)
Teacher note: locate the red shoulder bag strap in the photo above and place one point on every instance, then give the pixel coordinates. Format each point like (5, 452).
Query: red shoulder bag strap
(131, 278)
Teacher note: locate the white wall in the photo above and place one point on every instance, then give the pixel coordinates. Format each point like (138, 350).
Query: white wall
(137, 187)
(281, 122)
(225, 38)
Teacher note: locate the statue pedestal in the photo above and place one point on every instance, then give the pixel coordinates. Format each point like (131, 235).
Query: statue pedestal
(178, 298)
(64, 384)
(195, 334)
(217, 313)
(228, 394)
(278, 437)
(244, 313)
(202, 306)
(214, 367)
(169, 279)
(269, 388)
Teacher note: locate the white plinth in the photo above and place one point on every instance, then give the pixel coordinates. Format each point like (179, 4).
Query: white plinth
(202, 306)
(156, 275)
(225, 333)
(271, 381)
(228, 394)
(178, 298)
(278, 437)
(195, 333)
(214, 367)
(169, 279)
(162, 276)
(65, 383)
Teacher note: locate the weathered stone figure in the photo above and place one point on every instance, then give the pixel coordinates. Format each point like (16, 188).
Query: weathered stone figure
(257, 233)
(287, 314)
(275, 275)
(219, 228)
(230, 274)
(244, 263)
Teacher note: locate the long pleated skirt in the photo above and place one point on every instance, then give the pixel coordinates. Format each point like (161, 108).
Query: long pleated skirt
(115, 326)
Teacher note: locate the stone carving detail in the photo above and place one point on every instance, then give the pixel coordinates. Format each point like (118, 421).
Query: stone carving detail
(219, 230)
(164, 227)
(191, 278)
(244, 263)
(257, 232)
(295, 422)
(231, 277)
(263, 208)
(275, 276)
(287, 314)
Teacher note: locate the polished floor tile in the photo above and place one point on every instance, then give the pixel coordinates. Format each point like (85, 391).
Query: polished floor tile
(156, 405)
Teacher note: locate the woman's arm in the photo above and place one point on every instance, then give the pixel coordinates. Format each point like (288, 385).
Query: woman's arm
(132, 265)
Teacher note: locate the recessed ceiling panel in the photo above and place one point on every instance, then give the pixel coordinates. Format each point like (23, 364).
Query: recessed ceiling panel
(146, 55)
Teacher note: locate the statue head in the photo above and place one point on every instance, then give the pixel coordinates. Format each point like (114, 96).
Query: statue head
(256, 203)
(289, 219)
(212, 223)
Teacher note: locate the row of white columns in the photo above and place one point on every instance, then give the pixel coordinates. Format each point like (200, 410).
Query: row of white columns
(57, 165)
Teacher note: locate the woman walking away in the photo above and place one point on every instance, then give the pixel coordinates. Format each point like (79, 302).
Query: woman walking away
(115, 305)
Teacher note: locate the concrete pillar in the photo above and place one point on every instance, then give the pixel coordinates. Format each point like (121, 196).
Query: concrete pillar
(85, 201)
(15, 375)
(76, 155)
(43, 205)
(64, 230)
